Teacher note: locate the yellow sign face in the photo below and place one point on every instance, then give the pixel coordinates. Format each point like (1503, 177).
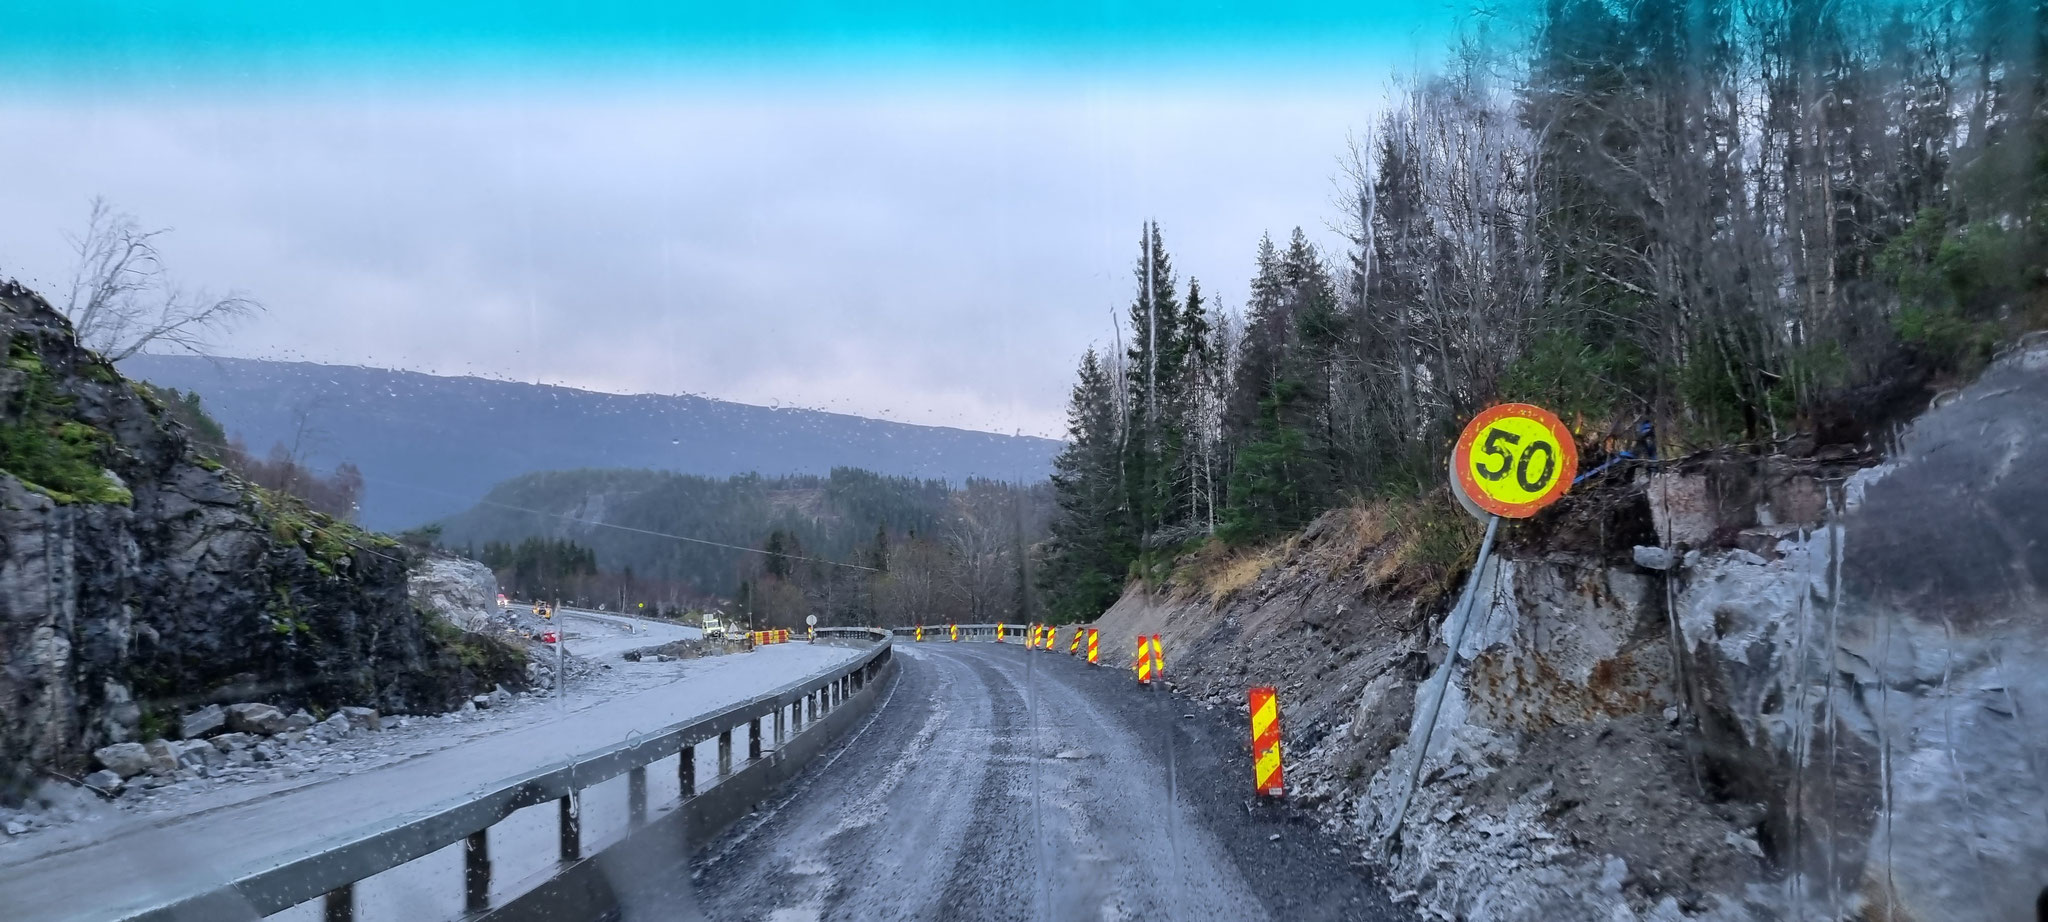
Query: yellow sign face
(1514, 459)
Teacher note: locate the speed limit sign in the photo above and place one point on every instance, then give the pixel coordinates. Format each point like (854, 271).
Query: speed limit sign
(1515, 459)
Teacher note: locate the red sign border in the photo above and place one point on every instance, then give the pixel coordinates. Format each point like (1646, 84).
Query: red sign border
(1461, 459)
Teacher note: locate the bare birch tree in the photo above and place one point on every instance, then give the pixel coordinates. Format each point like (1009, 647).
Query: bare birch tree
(122, 300)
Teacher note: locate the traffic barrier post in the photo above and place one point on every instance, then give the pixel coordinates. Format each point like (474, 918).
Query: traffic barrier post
(999, 633)
(1092, 648)
(1265, 707)
(956, 632)
(1144, 660)
(1074, 646)
(920, 633)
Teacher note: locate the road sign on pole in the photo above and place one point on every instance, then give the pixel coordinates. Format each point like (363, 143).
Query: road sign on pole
(1514, 459)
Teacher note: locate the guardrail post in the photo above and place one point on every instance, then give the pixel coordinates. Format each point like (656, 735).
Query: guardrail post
(636, 795)
(476, 872)
(724, 752)
(572, 827)
(341, 904)
(754, 740)
(686, 770)
(781, 724)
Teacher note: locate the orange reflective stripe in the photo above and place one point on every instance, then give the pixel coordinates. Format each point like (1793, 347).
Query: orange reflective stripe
(1265, 708)
(1074, 646)
(1144, 661)
(1091, 646)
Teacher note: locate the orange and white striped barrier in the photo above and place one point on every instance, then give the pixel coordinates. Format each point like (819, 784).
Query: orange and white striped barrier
(1265, 703)
(1074, 646)
(1092, 649)
(1144, 660)
(1158, 660)
(956, 632)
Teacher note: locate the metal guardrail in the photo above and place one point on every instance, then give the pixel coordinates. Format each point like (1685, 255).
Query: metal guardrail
(331, 873)
(1012, 633)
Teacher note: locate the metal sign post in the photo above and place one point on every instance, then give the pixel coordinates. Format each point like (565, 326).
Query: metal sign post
(1511, 460)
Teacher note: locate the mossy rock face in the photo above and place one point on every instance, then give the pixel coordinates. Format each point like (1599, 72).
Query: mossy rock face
(44, 444)
(149, 580)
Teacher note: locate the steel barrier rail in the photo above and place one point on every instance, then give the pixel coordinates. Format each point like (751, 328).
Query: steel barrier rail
(331, 872)
(1012, 633)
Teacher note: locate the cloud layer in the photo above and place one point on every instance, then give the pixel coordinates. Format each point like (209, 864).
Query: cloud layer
(913, 252)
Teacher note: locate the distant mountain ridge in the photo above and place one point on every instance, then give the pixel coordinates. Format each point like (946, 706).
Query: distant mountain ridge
(430, 446)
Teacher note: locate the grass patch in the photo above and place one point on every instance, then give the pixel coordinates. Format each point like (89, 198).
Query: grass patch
(1431, 541)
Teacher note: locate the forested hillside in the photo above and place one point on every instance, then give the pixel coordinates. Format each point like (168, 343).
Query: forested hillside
(427, 446)
(1676, 224)
(853, 546)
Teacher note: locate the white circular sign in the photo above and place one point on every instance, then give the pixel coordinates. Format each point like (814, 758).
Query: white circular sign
(811, 620)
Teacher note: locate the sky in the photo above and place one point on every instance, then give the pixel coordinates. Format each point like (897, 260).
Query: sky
(919, 212)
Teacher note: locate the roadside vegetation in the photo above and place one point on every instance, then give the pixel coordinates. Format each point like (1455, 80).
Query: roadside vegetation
(1676, 225)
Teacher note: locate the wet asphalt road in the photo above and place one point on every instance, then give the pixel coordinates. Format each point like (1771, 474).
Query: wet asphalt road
(993, 782)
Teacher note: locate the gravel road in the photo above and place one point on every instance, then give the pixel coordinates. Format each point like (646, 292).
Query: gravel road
(994, 782)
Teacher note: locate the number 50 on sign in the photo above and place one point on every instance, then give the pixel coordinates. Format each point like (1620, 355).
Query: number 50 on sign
(1514, 459)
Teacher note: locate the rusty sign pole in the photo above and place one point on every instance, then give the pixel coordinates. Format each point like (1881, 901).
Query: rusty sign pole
(1454, 632)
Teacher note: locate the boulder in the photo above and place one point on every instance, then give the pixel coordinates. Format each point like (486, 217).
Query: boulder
(196, 754)
(256, 718)
(300, 720)
(208, 719)
(463, 591)
(124, 759)
(335, 726)
(104, 780)
(363, 718)
(482, 702)
(1653, 558)
(234, 742)
(163, 760)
